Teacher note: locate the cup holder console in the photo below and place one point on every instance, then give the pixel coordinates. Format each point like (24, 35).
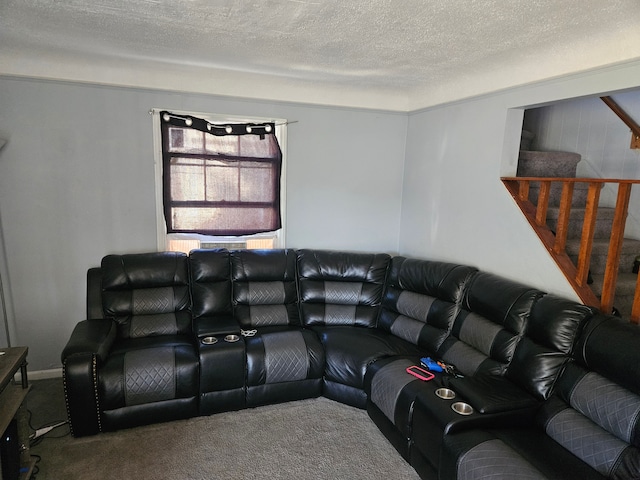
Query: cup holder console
(445, 393)
(210, 339)
(462, 408)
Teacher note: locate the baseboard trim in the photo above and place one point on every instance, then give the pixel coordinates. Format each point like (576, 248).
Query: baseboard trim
(43, 374)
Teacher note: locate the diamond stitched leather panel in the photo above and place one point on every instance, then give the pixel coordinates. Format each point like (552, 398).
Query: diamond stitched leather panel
(153, 300)
(339, 314)
(286, 358)
(387, 384)
(609, 405)
(494, 460)
(150, 375)
(264, 315)
(414, 305)
(407, 328)
(465, 358)
(148, 325)
(342, 293)
(266, 293)
(479, 332)
(585, 440)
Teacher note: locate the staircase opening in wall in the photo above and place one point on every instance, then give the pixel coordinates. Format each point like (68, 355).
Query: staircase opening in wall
(586, 240)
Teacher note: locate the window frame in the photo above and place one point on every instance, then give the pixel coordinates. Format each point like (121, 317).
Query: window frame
(164, 238)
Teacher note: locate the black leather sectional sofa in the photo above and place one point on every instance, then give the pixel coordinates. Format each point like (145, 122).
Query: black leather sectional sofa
(542, 387)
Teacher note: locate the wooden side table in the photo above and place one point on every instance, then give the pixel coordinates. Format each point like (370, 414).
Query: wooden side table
(12, 395)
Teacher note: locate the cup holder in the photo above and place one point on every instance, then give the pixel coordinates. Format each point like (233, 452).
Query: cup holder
(209, 340)
(462, 408)
(445, 393)
(231, 338)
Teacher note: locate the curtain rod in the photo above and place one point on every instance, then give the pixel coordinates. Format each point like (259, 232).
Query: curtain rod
(154, 111)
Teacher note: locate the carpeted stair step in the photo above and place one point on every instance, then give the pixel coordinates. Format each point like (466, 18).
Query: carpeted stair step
(547, 164)
(604, 221)
(630, 250)
(625, 291)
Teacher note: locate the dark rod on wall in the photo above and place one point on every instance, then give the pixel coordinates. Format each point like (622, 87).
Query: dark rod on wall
(2, 299)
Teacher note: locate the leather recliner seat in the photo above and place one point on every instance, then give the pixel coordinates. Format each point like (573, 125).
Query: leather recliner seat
(340, 297)
(284, 362)
(145, 366)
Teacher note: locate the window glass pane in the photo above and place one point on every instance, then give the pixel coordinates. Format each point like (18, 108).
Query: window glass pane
(183, 140)
(176, 138)
(254, 146)
(222, 182)
(187, 179)
(223, 219)
(227, 145)
(256, 182)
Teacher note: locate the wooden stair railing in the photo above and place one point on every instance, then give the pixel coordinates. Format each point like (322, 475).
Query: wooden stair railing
(577, 275)
(626, 118)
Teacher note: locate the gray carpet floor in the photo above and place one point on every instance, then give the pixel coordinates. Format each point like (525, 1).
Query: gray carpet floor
(308, 439)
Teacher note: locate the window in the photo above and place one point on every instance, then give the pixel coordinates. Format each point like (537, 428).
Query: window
(220, 182)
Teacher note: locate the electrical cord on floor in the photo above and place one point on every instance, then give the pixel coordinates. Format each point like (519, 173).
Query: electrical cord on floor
(38, 436)
(39, 433)
(44, 430)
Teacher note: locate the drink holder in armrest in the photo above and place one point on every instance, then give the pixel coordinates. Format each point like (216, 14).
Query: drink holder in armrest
(492, 394)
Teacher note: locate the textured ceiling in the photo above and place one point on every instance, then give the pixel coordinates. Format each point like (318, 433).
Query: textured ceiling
(390, 54)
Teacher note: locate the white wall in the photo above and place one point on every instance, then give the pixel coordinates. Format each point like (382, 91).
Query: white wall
(77, 183)
(587, 126)
(454, 206)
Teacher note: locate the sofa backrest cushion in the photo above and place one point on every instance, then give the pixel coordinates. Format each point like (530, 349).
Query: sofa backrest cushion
(210, 272)
(147, 294)
(552, 331)
(264, 287)
(421, 300)
(610, 346)
(94, 293)
(341, 288)
(490, 324)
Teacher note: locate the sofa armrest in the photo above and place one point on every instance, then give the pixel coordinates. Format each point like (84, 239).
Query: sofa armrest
(435, 417)
(88, 346)
(216, 326)
(79, 374)
(492, 394)
(94, 336)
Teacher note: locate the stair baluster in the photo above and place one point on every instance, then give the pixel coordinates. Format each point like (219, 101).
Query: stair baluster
(588, 233)
(615, 246)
